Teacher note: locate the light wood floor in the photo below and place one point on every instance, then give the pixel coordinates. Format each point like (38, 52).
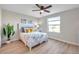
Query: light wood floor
(50, 47)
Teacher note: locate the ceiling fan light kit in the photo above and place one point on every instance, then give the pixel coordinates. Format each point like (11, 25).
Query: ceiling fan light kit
(42, 11)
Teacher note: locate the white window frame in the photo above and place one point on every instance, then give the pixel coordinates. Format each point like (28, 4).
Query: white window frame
(54, 22)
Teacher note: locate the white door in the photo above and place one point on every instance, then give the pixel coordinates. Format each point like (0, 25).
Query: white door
(0, 27)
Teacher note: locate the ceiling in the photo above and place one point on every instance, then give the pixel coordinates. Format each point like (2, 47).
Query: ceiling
(26, 9)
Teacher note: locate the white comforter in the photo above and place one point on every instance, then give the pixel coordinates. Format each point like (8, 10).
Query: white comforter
(34, 38)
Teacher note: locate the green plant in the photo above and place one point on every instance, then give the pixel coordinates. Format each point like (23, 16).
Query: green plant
(8, 31)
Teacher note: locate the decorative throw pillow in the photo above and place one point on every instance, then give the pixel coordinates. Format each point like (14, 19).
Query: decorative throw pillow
(22, 29)
(28, 30)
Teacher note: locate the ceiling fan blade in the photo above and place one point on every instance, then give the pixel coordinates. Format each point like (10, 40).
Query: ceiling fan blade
(48, 7)
(35, 10)
(47, 11)
(38, 5)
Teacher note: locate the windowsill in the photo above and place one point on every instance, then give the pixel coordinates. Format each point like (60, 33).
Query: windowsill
(55, 32)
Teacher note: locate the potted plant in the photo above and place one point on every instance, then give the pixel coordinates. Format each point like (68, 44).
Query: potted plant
(8, 31)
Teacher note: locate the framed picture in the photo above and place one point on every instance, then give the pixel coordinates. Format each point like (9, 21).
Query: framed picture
(23, 21)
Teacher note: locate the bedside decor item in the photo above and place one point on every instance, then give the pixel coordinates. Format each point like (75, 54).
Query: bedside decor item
(8, 31)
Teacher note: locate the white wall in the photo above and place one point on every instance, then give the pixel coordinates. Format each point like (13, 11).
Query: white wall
(69, 26)
(0, 27)
(13, 18)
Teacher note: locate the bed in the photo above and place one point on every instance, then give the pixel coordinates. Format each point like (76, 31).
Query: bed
(33, 38)
(30, 35)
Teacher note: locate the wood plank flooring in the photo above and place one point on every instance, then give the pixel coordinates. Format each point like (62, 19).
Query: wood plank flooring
(50, 47)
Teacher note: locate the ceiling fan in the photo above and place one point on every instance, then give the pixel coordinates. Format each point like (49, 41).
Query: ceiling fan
(42, 8)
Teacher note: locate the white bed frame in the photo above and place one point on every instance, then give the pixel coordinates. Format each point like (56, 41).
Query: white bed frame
(24, 37)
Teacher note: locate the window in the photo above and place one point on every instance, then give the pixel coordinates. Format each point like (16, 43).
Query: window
(54, 24)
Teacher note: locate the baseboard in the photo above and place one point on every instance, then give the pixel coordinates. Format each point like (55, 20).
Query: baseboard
(73, 43)
(11, 41)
